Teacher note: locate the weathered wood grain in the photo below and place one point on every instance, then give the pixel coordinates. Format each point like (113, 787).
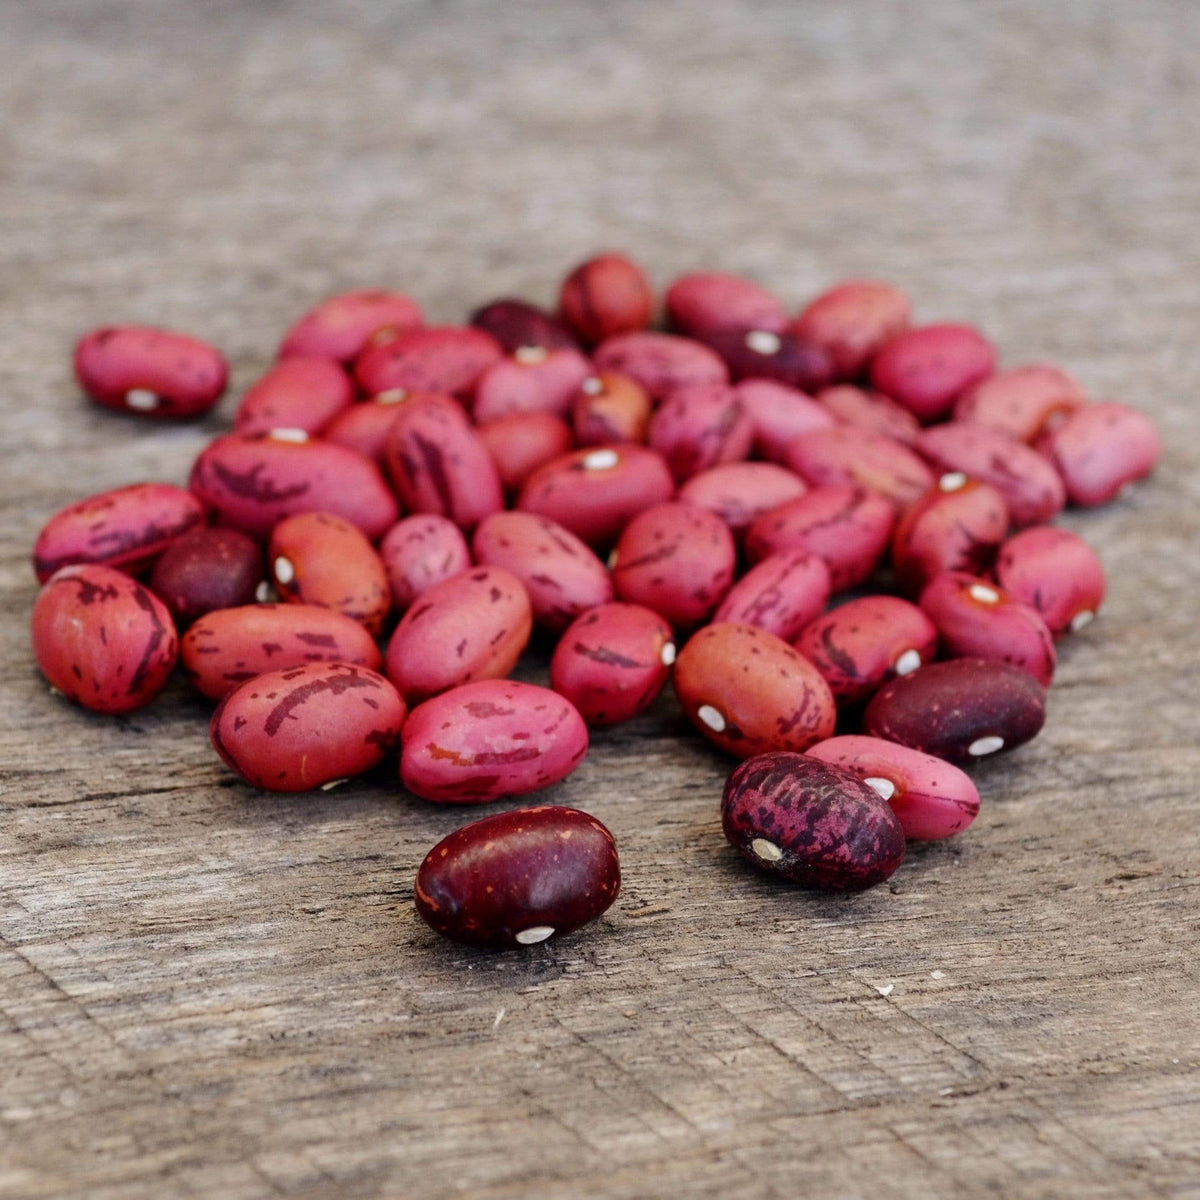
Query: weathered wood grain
(207, 992)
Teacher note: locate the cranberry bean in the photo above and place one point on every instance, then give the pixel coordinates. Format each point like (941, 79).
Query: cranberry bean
(317, 558)
(845, 454)
(522, 442)
(852, 321)
(340, 327)
(811, 823)
(928, 368)
(445, 358)
(595, 492)
(468, 627)
(959, 710)
(781, 595)
(606, 296)
(613, 661)
(713, 302)
(932, 800)
(740, 492)
(296, 393)
(779, 414)
(531, 380)
(439, 464)
(660, 362)
(518, 877)
(1022, 401)
(252, 483)
(562, 576)
(419, 552)
(516, 324)
(365, 426)
(128, 527)
(866, 641)
(676, 559)
(308, 727)
(610, 408)
(848, 527)
(1031, 487)
(749, 692)
(150, 372)
(225, 648)
(490, 739)
(699, 426)
(102, 639)
(1057, 573)
(207, 569)
(1100, 449)
(872, 411)
(957, 527)
(782, 357)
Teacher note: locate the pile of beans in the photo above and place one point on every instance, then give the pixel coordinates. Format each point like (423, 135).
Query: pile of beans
(831, 531)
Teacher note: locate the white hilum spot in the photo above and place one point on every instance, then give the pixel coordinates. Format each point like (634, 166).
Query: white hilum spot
(534, 934)
(762, 341)
(600, 460)
(392, 396)
(767, 851)
(284, 571)
(667, 654)
(984, 594)
(907, 663)
(141, 400)
(528, 355)
(612, 559)
(262, 593)
(592, 386)
(328, 787)
(711, 718)
(1081, 619)
(951, 481)
(885, 787)
(985, 745)
(289, 435)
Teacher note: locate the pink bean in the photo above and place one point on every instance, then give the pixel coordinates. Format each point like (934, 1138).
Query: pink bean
(852, 321)
(779, 414)
(522, 442)
(296, 393)
(445, 358)
(609, 409)
(872, 411)
(419, 552)
(1057, 573)
(714, 302)
(782, 594)
(660, 362)
(606, 296)
(1101, 449)
(340, 327)
(531, 380)
(741, 492)
(928, 368)
(1023, 402)
(365, 426)
(844, 454)
(700, 426)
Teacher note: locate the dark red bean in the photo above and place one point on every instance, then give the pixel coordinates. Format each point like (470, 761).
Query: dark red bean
(782, 357)
(296, 393)
(515, 324)
(446, 358)
(340, 327)
(1100, 450)
(208, 569)
(699, 426)
(606, 296)
(713, 302)
(844, 454)
(928, 368)
(852, 321)
(1023, 402)
(1057, 573)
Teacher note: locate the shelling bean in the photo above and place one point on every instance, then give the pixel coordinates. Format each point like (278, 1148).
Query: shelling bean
(610, 408)
(365, 426)
(872, 411)
(700, 426)
(1101, 449)
(340, 327)
(207, 569)
(852, 321)
(782, 594)
(419, 552)
(660, 362)
(782, 357)
(1055, 572)
(518, 877)
(522, 442)
(296, 393)
(1023, 402)
(515, 324)
(811, 823)
(742, 491)
(844, 454)
(606, 296)
(713, 302)
(928, 368)
(531, 380)
(779, 414)
(444, 358)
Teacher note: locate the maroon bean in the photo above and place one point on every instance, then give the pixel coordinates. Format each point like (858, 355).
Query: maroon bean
(609, 409)
(928, 368)
(340, 327)
(606, 296)
(959, 710)
(522, 442)
(872, 411)
(515, 324)
(740, 492)
(852, 321)
(419, 552)
(207, 569)
(1023, 402)
(810, 822)
(660, 362)
(779, 414)
(1101, 449)
(714, 302)
(445, 358)
(700, 426)
(782, 357)
(364, 427)
(845, 454)
(517, 878)
(151, 372)
(102, 639)
(296, 393)
(531, 380)
(782, 594)
(1057, 573)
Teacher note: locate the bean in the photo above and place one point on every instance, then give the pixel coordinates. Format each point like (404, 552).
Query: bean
(782, 594)
(928, 368)
(844, 454)
(782, 357)
(932, 800)
(516, 324)
(1057, 573)
(229, 646)
(852, 322)
(522, 442)
(779, 414)
(207, 569)
(606, 296)
(810, 822)
(700, 426)
(102, 639)
(613, 661)
(468, 627)
(150, 372)
(487, 740)
(610, 408)
(531, 380)
(340, 327)
(252, 482)
(959, 710)
(364, 427)
(1023, 402)
(676, 559)
(749, 692)
(713, 302)
(519, 877)
(300, 729)
(660, 362)
(419, 552)
(296, 393)
(443, 358)
(1100, 450)
(740, 492)
(128, 527)
(872, 411)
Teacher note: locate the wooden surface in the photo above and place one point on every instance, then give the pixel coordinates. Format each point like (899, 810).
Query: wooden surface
(208, 992)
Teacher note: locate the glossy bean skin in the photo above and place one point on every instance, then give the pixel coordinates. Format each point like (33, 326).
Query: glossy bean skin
(516, 323)
(364, 427)
(779, 414)
(740, 492)
(531, 380)
(782, 594)
(420, 551)
(700, 426)
(866, 641)
(317, 558)
(960, 710)
(958, 526)
(487, 740)
(926, 369)
(781, 357)
(522, 442)
(436, 358)
(1031, 487)
(102, 639)
(606, 296)
(207, 569)
(932, 800)
(714, 302)
(810, 822)
(660, 362)
(852, 321)
(748, 692)
(518, 877)
(609, 408)
(1055, 572)
(340, 327)
(150, 372)
(845, 454)
(677, 560)
(302, 392)
(299, 729)
(438, 464)
(872, 411)
(225, 648)
(595, 492)
(613, 661)
(253, 482)
(561, 574)
(128, 527)
(1023, 402)
(468, 627)
(1100, 449)
(848, 527)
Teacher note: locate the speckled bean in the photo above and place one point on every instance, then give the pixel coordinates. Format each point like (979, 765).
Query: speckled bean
(522, 442)
(928, 368)
(782, 357)
(782, 594)
(714, 302)
(207, 569)
(419, 552)
(660, 362)
(441, 358)
(845, 454)
(303, 392)
(740, 492)
(779, 414)
(340, 327)
(610, 408)
(700, 426)
(852, 321)
(516, 323)
(1055, 572)
(606, 296)
(531, 380)
(365, 426)
(1023, 402)
(1101, 449)
(872, 411)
